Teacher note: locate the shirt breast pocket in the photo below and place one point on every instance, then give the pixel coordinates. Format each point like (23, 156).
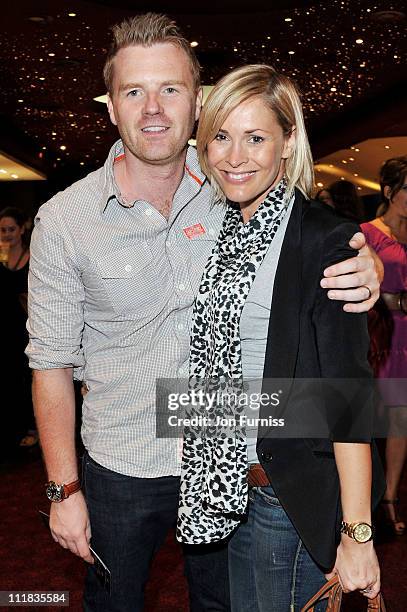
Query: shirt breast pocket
(130, 279)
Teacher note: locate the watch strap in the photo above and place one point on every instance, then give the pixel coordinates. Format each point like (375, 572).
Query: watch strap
(348, 529)
(71, 488)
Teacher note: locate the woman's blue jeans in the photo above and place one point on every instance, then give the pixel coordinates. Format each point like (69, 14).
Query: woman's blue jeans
(270, 570)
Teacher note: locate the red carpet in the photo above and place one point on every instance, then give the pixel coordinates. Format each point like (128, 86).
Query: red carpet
(30, 560)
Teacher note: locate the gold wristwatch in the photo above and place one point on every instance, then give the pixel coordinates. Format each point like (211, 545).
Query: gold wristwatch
(360, 532)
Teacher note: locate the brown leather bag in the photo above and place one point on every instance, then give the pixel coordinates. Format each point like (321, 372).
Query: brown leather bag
(333, 591)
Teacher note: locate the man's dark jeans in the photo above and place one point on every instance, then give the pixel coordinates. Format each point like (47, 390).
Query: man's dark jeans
(130, 518)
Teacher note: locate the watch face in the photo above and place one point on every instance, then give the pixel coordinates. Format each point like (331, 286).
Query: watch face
(54, 491)
(362, 532)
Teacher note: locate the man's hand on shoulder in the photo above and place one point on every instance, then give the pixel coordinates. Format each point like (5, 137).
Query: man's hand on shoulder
(70, 527)
(357, 279)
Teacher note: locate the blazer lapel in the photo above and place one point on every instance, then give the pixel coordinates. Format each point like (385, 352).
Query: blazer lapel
(283, 332)
(284, 326)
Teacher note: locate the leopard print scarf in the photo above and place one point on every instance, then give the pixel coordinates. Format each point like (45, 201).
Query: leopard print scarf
(213, 493)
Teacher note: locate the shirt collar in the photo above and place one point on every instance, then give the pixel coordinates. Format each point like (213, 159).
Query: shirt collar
(110, 190)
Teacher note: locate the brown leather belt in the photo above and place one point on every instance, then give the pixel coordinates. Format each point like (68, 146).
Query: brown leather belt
(257, 477)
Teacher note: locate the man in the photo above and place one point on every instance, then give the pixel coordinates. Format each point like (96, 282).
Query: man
(116, 262)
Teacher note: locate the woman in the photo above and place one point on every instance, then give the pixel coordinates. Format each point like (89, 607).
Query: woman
(324, 196)
(387, 235)
(259, 291)
(346, 201)
(13, 310)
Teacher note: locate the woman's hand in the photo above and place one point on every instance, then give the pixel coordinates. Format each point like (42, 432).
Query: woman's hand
(357, 567)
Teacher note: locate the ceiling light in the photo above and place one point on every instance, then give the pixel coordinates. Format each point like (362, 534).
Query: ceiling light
(320, 184)
(71, 14)
(63, 148)
(386, 147)
(333, 88)
(194, 43)
(51, 54)
(11, 169)
(20, 100)
(40, 19)
(355, 174)
(357, 149)
(344, 161)
(288, 19)
(359, 41)
(389, 16)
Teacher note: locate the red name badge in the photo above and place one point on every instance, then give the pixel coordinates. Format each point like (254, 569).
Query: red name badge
(194, 230)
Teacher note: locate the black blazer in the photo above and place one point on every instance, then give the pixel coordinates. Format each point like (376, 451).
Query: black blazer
(310, 336)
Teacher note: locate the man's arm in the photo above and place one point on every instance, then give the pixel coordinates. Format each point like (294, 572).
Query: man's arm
(352, 280)
(54, 405)
(56, 320)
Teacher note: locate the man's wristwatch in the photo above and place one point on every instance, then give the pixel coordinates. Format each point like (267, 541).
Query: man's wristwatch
(58, 492)
(360, 532)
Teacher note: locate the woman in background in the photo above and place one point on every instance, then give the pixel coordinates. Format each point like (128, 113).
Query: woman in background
(261, 314)
(346, 201)
(16, 384)
(387, 235)
(324, 196)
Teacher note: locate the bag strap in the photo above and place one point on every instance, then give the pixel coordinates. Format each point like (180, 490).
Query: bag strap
(333, 591)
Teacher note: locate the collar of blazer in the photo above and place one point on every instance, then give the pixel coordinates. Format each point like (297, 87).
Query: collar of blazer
(283, 333)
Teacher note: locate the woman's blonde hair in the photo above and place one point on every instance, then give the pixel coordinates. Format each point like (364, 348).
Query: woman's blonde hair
(278, 93)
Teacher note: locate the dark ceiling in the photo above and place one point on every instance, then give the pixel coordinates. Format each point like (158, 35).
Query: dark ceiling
(51, 65)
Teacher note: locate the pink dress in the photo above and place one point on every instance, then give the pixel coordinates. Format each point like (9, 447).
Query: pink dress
(394, 257)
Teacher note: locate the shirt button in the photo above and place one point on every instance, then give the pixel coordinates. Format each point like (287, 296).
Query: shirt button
(128, 268)
(181, 287)
(267, 457)
(149, 212)
(181, 326)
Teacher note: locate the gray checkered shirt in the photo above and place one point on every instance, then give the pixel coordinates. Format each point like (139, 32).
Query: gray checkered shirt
(111, 290)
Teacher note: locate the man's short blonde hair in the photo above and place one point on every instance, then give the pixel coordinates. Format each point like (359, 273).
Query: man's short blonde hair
(281, 96)
(147, 30)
